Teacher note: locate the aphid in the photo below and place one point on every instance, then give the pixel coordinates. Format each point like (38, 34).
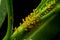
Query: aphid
(16, 29)
(48, 6)
(31, 14)
(37, 11)
(26, 19)
(34, 10)
(32, 22)
(29, 18)
(34, 17)
(23, 20)
(20, 23)
(31, 27)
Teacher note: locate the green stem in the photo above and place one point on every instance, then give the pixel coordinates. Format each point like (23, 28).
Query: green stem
(10, 19)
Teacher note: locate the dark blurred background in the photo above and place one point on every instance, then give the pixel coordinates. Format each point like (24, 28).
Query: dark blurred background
(21, 8)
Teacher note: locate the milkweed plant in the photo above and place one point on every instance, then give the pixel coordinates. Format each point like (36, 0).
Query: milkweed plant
(42, 23)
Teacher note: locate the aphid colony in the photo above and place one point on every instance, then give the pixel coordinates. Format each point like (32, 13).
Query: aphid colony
(49, 6)
(33, 16)
(31, 25)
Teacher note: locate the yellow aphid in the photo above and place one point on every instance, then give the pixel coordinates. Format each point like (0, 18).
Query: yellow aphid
(33, 10)
(34, 14)
(30, 13)
(20, 23)
(32, 23)
(48, 6)
(36, 11)
(15, 28)
(23, 20)
(29, 18)
(31, 26)
(26, 18)
(34, 17)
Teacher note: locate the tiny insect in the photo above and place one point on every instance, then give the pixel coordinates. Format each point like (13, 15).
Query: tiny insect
(31, 27)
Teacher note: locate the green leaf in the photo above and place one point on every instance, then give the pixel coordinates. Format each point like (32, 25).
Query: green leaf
(2, 11)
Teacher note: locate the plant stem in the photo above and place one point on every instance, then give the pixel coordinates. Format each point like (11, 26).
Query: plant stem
(10, 19)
